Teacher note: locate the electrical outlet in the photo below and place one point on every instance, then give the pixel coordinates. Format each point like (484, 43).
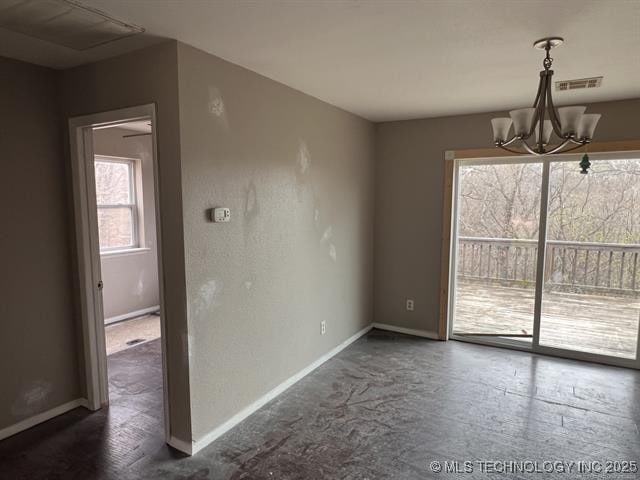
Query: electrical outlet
(410, 304)
(323, 327)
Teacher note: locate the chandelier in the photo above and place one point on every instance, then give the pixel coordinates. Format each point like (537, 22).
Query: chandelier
(572, 126)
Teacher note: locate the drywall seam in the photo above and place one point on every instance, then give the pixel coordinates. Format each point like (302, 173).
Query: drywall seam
(137, 313)
(42, 417)
(238, 417)
(406, 331)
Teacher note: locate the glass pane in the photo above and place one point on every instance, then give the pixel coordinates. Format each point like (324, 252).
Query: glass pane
(113, 183)
(591, 295)
(498, 224)
(115, 227)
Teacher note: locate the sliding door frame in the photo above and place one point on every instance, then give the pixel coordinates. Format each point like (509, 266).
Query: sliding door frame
(450, 249)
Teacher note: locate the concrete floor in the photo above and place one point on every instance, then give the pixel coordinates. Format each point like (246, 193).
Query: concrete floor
(384, 408)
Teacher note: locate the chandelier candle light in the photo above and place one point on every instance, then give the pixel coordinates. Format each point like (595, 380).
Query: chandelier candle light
(573, 127)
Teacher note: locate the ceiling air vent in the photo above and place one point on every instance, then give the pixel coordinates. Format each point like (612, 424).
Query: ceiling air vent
(593, 82)
(63, 22)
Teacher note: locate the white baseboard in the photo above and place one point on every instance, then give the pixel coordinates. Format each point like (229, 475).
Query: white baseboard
(126, 316)
(41, 417)
(407, 331)
(238, 417)
(184, 447)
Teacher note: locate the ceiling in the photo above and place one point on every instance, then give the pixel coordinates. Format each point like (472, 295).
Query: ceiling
(388, 59)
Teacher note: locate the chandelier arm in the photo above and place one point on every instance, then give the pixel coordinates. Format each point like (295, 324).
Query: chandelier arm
(559, 148)
(578, 142)
(528, 149)
(518, 152)
(540, 91)
(572, 149)
(526, 146)
(536, 104)
(540, 119)
(510, 141)
(553, 115)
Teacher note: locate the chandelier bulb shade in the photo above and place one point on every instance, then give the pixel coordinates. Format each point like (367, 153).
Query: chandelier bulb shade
(534, 127)
(569, 118)
(501, 127)
(547, 130)
(588, 124)
(523, 121)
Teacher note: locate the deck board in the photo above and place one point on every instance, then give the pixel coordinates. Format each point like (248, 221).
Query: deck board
(598, 324)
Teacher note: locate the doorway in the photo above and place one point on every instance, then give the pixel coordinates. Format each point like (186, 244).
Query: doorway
(116, 199)
(546, 258)
(123, 170)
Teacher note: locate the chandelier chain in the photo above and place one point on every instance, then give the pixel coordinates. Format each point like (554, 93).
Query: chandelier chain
(548, 60)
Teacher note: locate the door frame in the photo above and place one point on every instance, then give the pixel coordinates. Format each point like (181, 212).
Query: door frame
(88, 249)
(447, 310)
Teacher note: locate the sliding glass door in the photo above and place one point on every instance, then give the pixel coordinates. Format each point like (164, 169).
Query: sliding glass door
(576, 292)
(591, 290)
(498, 228)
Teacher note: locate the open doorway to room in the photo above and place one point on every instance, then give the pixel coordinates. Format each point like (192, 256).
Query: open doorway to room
(123, 166)
(125, 207)
(119, 254)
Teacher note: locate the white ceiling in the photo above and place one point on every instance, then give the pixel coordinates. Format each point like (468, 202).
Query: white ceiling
(390, 59)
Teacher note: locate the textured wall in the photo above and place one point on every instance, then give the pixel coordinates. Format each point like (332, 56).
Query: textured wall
(131, 280)
(409, 182)
(38, 357)
(142, 77)
(298, 176)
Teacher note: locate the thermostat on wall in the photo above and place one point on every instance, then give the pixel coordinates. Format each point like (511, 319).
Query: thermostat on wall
(219, 215)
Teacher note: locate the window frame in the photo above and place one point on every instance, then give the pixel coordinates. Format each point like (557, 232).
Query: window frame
(135, 206)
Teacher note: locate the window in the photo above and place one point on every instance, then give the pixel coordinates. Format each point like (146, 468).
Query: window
(117, 203)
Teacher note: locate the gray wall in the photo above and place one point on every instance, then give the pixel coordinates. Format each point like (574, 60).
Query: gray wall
(131, 279)
(409, 190)
(142, 77)
(298, 176)
(38, 357)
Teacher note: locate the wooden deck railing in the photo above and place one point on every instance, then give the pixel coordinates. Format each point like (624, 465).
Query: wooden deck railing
(571, 266)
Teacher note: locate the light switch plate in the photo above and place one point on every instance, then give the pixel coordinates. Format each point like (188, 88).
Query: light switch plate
(220, 214)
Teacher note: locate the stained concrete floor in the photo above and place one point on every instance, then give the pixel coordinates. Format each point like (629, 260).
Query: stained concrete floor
(384, 408)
